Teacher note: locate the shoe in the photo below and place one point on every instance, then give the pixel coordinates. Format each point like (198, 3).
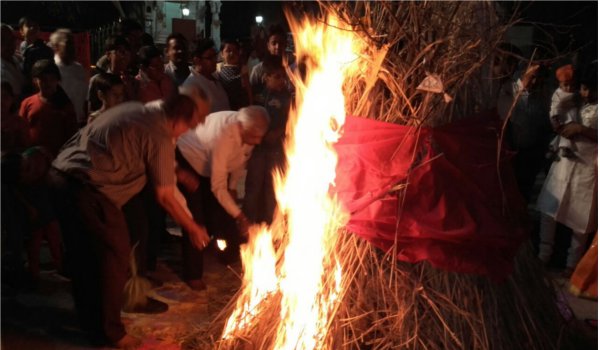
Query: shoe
(197, 285)
(152, 306)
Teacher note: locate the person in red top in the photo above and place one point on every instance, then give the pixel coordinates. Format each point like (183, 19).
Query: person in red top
(154, 83)
(49, 114)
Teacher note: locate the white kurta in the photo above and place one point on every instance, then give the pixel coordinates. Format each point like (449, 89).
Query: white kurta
(569, 193)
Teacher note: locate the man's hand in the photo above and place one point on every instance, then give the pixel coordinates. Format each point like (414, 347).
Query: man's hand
(199, 237)
(243, 224)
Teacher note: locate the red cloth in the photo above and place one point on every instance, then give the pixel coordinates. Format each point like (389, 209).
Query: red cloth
(451, 212)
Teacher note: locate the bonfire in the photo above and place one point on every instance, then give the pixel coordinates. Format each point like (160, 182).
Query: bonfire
(332, 271)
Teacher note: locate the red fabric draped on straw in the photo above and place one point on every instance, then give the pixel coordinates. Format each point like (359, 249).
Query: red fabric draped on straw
(433, 193)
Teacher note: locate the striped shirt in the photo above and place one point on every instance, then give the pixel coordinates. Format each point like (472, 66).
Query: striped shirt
(121, 149)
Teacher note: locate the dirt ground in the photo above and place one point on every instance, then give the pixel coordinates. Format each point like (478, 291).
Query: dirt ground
(44, 318)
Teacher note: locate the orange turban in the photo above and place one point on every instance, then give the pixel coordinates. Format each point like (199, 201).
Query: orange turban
(565, 73)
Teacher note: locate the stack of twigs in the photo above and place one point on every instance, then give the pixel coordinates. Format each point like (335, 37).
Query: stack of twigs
(391, 304)
(454, 41)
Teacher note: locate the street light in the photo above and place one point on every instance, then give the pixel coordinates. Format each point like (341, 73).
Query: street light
(258, 19)
(185, 11)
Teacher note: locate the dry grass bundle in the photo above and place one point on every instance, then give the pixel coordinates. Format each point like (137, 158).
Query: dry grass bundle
(136, 288)
(454, 41)
(388, 304)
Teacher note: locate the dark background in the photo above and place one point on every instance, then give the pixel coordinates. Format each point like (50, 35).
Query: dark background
(571, 25)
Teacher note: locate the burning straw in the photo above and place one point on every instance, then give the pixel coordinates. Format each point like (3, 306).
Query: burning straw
(426, 64)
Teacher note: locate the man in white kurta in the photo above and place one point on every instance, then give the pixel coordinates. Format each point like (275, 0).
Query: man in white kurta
(216, 153)
(569, 193)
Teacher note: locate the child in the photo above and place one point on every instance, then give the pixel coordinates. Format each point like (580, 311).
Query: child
(49, 114)
(276, 45)
(154, 83)
(233, 76)
(14, 129)
(259, 201)
(110, 91)
(563, 110)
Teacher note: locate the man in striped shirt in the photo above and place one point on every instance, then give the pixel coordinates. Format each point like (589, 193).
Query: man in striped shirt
(97, 172)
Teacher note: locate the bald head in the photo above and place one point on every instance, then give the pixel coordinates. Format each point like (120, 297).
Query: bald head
(255, 123)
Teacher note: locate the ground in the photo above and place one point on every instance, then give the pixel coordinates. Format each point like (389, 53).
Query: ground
(44, 318)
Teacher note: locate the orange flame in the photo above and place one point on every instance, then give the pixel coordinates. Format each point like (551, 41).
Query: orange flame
(308, 276)
(259, 279)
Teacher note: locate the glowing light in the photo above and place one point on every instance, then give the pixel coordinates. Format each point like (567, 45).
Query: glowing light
(185, 11)
(221, 244)
(258, 19)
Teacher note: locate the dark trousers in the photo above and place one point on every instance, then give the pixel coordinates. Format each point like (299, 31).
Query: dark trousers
(146, 222)
(259, 200)
(97, 251)
(207, 211)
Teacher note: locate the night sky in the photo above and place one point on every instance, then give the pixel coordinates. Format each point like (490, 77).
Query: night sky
(579, 19)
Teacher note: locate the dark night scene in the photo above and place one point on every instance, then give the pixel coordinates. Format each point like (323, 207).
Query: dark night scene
(299, 175)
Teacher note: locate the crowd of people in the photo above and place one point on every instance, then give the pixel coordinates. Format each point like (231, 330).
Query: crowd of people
(94, 165)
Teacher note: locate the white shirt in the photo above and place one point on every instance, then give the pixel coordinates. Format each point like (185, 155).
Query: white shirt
(11, 73)
(569, 194)
(74, 82)
(565, 115)
(215, 149)
(214, 90)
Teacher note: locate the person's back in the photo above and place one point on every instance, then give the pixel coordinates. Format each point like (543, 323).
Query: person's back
(198, 143)
(117, 146)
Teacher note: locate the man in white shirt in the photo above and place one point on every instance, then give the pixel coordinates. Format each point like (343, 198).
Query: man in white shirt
(203, 75)
(74, 79)
(211, 160)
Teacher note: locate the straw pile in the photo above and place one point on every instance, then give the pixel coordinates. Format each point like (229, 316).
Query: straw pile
(390, 304)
